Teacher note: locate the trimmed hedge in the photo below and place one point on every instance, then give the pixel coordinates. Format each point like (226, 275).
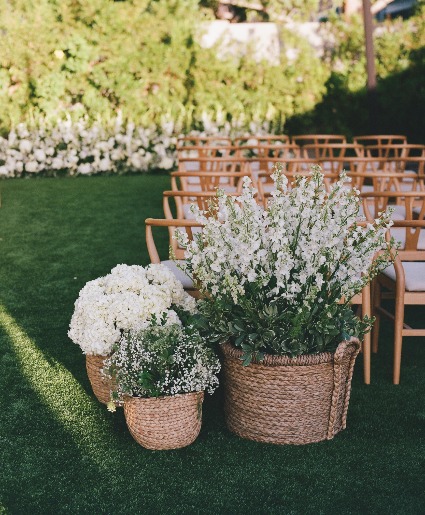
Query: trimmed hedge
(141, 57)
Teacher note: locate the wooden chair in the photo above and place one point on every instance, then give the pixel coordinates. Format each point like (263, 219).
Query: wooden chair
(407, 205)
(364, 301)
(258, 156)
(380, 139)
(262, 140)
(405, 280)
(231, 182)
(323, 151)
(183, 201)
(318, 139)
(399, 158)
(332, 156)
(391, 150)
(265, 183)
(217, 163)
(197, 157)
(173, 266)
(372, 184)
(254, 152)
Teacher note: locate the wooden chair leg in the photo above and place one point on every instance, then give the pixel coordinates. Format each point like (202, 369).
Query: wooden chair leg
(366, 357)
(398, 335)
(376, 292)
(366, 310)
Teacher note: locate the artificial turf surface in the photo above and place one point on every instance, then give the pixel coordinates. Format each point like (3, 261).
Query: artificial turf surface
(63, 452)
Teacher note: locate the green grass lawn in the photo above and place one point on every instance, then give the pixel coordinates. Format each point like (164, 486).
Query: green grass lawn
(63, 452)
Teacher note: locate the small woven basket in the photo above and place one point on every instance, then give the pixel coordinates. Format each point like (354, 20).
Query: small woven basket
(100, 384)
(161, 423)
(286, 400)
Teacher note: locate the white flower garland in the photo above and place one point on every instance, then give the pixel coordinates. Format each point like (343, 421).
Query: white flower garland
(81, 148)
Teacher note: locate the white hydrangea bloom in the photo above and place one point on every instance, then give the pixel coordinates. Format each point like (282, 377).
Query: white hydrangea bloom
(127, 298)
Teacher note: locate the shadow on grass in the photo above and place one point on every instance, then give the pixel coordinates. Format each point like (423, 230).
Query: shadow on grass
(75, 457)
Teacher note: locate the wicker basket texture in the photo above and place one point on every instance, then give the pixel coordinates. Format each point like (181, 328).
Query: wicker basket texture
(161, 423)
(101, 385)
(289, 400)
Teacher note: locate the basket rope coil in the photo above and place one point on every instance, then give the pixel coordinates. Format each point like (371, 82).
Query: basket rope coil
(161, 423)
(100, 384)
(287, 400)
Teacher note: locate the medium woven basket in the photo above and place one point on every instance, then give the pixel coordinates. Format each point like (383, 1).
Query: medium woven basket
(161, 423)
(101, 385)
(286, 400)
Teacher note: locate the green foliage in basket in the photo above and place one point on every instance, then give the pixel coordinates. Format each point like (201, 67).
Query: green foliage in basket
(162, 360)
(280, 280)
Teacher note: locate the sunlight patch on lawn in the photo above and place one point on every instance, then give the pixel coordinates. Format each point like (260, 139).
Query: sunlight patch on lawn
(61, 393)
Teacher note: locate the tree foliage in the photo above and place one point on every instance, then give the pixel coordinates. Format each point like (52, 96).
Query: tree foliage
(142, 57)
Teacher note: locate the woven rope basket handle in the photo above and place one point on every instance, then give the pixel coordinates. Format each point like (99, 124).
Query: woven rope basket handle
(342, 384)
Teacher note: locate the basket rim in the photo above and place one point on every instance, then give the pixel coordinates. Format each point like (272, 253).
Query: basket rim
(162, 398)
(271, 360)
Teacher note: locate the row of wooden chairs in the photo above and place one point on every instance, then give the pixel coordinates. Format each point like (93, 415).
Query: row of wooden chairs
(231, 182)
(403, 280)
(254, 166)
(395, 157)
(199, 176)
(300, 140)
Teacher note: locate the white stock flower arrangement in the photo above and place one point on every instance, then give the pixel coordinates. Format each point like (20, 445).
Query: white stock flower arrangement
(279, 280)
(129, 298)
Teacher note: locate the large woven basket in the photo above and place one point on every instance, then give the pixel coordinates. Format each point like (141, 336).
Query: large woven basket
(286, 400)
(100, 384)
(161, 423)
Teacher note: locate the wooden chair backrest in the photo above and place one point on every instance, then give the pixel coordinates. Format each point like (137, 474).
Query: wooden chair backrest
(270, 139)
(193, 153)
(206, 181)
(265, 179)
(317, 139)
(172, 226)
(380, 139)
(331, 150)
(387, 181)
(410, 252)
(203, 199)
(380, 200)
(395, 150)
(257, 152)
(215, 164)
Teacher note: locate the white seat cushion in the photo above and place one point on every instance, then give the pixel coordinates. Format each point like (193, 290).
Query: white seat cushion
(179, 274)
(408, 185)
(195, 230)
(191, 166)
(414, 272)
(399, 212)
(399, 234)
(224, 185)
(187, 213)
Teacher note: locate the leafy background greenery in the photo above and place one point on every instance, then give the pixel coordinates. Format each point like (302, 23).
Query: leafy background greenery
(141, 56)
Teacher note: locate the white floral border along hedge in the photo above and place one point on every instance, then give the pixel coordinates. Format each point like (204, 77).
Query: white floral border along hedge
(80, 148)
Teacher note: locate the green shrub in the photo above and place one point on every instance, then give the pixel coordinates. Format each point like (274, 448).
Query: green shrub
(141, 57)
